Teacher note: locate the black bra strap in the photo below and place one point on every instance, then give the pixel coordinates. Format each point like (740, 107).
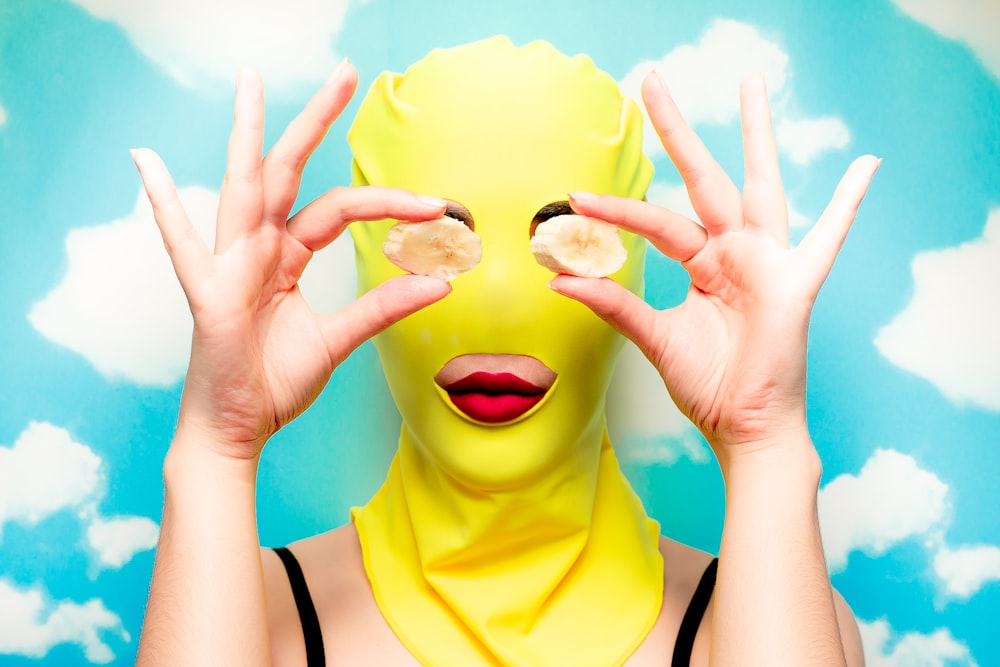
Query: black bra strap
(692, 617)
(315, 656)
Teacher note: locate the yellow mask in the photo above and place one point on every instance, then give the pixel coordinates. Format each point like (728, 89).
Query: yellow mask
(517, 543)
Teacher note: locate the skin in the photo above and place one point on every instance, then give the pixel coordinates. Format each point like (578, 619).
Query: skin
(355, 632)
(732, 356)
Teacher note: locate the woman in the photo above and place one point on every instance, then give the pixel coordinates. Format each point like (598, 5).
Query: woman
(505, 533)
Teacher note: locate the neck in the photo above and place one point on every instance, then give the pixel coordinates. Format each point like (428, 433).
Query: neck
(466, 576)
(464, 525)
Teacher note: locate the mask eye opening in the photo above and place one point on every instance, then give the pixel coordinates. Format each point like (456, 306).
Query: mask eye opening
(548, 211)
(458, 212)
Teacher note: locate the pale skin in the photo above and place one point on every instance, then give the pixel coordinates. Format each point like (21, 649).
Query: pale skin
(732, 356)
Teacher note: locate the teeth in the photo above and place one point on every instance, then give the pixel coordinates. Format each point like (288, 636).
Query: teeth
(578, 245)
(442, 248)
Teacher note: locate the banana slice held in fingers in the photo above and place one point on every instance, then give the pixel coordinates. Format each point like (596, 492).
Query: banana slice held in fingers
(442, 248)
(578, 245)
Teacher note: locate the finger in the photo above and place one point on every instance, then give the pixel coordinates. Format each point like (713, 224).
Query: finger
(628, 314)
(672, 234)
(284, 163)
(240, 198)
(764, 204)
(714, 197)
(375, 310)
(821, 245)
(188, 252)
(323, 220)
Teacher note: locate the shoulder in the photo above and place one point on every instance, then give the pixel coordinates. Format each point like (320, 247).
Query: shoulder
(351, 625)
(849, 633)
(330, 563)
(325, 583)
(683, 567)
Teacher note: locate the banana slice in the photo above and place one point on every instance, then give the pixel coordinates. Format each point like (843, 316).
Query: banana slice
(443, 248)
(578, 245)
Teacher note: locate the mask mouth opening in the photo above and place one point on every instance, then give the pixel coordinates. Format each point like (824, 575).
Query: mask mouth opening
(495, 389)
(494, 408)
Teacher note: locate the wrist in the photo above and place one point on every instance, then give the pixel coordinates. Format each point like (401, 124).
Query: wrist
(784, 460)
(197, 455)
(237, 436)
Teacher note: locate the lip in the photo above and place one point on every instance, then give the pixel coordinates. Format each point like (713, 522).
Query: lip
(496, 396)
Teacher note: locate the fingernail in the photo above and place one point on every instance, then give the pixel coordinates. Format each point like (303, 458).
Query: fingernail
(582, 196)
(246, 75)
(242, 77)
(339, 69)
(659, 79)
(432, 201)
(553, 287)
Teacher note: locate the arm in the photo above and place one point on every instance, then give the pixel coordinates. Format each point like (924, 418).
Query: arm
(259, 357)
(733, 357)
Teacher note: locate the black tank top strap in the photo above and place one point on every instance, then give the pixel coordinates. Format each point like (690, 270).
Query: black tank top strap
(315, 656)
(693, 615)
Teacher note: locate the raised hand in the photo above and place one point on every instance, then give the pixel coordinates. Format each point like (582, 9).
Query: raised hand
(733, 353)
(260, 356)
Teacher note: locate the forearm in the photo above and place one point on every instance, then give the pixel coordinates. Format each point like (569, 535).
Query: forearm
(206, 600)
(773, 602)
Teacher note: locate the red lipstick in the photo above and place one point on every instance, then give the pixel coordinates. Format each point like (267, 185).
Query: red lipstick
(493, 398)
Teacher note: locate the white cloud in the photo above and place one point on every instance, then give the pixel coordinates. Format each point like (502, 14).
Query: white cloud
(330, 282)
(663, 450)
(974, 22)
(643, 421)
(912, 649)
(797, 219)
(120, 305)
(892, 499)
(704, 78)
(805, 140)
(948, 332)
(965, 570)
(3, 115)
(44, 472)
(675, 198)
(117, 540)
(29, 627)
(201, 42)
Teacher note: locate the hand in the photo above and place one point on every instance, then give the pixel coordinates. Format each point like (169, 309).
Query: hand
(259, 355)
(733, 354)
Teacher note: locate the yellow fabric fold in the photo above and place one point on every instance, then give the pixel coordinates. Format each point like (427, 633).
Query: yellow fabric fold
(510, 578)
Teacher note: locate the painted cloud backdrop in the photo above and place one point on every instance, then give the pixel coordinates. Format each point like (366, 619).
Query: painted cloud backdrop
(904, 365)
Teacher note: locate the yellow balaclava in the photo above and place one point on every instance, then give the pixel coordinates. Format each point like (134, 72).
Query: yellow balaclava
(518, 543)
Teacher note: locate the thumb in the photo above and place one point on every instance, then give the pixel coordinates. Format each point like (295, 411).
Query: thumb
(628, 314)
(377, 309)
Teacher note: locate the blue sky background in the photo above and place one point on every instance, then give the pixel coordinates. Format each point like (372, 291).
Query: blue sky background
(904, 393)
